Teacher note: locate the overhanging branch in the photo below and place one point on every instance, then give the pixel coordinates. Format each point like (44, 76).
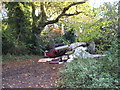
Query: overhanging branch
(64, 13)
(72, 14)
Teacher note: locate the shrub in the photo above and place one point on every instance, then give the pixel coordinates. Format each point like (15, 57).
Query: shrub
(92, 73)
(49, 38)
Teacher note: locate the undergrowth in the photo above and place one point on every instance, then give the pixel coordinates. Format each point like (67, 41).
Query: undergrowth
(92, 73)
(18, 58)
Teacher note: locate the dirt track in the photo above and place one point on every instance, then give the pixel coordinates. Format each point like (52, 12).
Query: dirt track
(29, 74)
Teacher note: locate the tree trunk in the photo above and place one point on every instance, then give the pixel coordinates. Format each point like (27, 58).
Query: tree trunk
(43, 18)
(37, 29)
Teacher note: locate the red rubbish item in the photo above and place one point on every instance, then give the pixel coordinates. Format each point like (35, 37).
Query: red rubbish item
(51, 53)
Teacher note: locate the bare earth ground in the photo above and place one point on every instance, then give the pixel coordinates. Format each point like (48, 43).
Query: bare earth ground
(29, 74)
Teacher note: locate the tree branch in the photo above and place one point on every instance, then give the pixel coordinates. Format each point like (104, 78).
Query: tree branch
(64, 11)
(72, 14)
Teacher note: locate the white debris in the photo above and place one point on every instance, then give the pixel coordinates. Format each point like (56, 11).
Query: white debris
(98, 55)
(61, 47)
(71, 58)
(60, 62)
(45, 59)
(77, 44)
(82, 54)
(83, 48)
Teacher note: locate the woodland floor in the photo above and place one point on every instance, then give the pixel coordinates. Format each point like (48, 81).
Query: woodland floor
(30, 74)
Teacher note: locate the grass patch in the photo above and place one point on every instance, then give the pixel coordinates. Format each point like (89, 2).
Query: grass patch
(18, 58)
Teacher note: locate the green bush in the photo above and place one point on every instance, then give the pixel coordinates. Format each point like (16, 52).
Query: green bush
(48, 38)
(92, 73)
(13, 46)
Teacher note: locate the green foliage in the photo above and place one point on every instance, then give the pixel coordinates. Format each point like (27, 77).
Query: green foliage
(100, 72)
(18, 58)
(99, 26)
(45, 39)
(113, 52)
(16, 28)
(92, 73)
(14, 47)
(70, 36)
(22, 23)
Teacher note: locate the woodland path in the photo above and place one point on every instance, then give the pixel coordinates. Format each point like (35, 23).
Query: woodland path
(30, 74)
